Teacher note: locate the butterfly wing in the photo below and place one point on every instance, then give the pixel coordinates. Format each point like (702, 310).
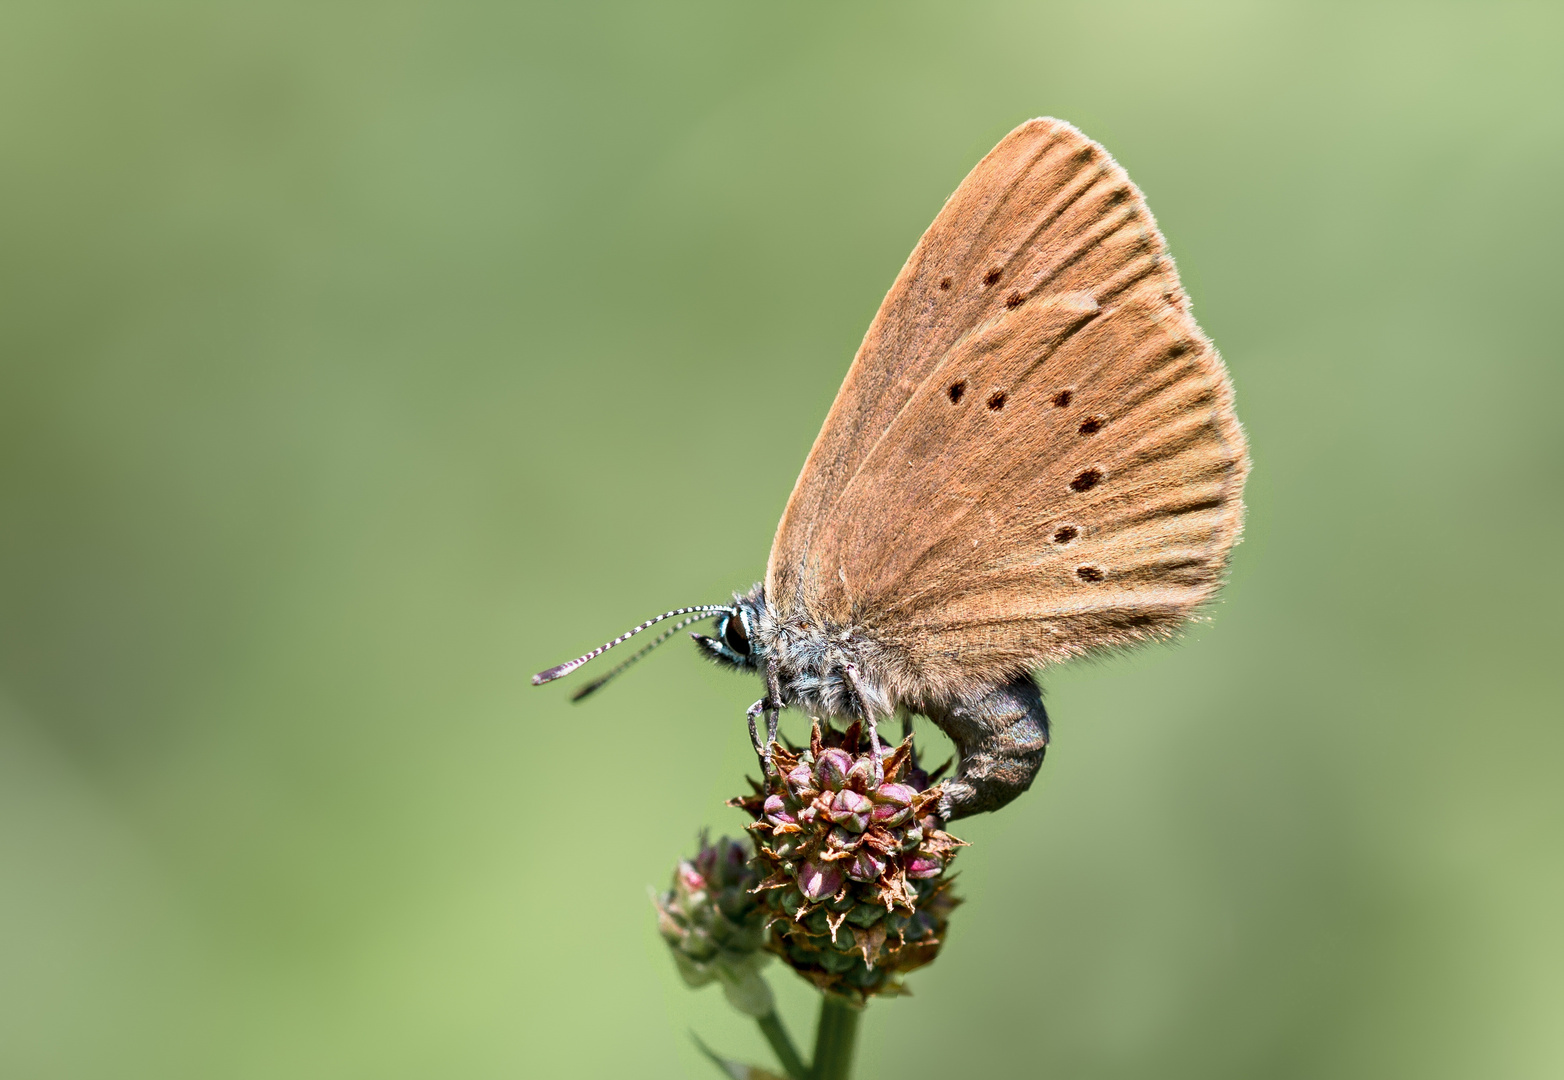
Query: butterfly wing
(1034, 453)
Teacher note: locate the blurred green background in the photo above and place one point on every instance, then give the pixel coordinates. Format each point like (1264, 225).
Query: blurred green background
(360, 360)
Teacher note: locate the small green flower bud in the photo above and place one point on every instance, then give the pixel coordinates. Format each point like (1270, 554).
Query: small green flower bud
(866, 914)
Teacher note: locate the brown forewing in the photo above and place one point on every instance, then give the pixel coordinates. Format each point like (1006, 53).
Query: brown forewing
(1034, 453)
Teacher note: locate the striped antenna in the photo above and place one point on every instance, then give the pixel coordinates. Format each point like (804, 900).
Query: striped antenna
(565, 669)
(597, 684)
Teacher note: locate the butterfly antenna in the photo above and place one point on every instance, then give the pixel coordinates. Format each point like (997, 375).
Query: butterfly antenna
(597, 684)
(553, 673)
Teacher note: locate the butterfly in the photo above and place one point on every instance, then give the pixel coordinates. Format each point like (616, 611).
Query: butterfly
(1034, 456)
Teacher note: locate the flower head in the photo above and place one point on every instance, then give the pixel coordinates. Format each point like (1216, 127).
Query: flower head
(714, 924)
(854, 884)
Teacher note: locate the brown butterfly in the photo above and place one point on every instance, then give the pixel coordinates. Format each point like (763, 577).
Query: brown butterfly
(1034, 456)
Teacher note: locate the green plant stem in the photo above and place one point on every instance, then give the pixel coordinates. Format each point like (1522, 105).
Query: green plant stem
(771, 1027)
(834, 1038)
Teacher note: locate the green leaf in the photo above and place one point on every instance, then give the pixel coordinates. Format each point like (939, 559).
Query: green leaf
(747, 991)
(735, 1069)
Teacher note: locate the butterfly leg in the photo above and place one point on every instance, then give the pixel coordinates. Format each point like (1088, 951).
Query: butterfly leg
(773, 717)
(754, 736)
(868, 717)
(1001, 736)
(772, 704)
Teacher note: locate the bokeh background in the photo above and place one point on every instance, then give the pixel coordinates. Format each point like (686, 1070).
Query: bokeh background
(360, 360)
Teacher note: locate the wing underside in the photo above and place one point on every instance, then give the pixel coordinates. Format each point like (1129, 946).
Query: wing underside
(1034, 453)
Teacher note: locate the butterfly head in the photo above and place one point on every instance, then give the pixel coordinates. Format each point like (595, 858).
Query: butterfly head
(737, 642)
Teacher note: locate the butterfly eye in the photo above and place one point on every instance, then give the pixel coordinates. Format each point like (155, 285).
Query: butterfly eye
(735, 637)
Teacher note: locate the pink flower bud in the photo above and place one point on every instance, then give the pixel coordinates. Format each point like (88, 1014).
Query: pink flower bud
(776, 811)
(832, 768)
(839, 839)
(850, 810)
(818, 880)
(893, 804)
(861, 776)
(922, 866)
(689, 878)
(866, 865)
